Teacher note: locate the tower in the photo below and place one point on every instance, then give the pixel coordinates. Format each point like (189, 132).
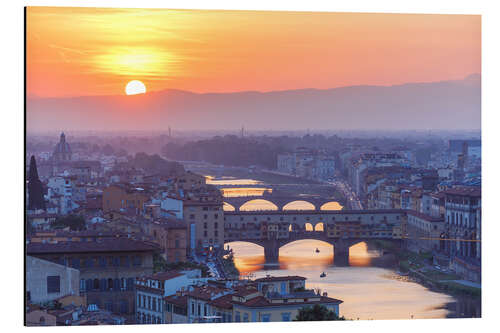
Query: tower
(35, 188)
(62, 151)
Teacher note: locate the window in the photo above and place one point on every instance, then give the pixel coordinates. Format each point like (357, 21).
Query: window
(123, 306)
(245, 317)
(89, 262)
(237, 317)
(75, 263)
(205, 216)
(285, 316)
(109, 306)
(137, 261)
(177, 243)
(124, 261)
(53, 284)
(88, 284)
(216, 216)
(100, 284)
(130, 284)
(110, 284)
(216, 233)
(102, 262)
(205, 225)
(216, 225)
(191, 216)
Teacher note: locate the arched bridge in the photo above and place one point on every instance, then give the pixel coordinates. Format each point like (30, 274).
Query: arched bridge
(342, 229)
(280, 201)
(341, 245)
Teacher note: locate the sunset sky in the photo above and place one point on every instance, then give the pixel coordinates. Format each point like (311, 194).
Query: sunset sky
(95, 51)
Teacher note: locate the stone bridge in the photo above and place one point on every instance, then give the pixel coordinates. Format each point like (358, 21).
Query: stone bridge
(280, 201)
(342, 229)
(341, 245)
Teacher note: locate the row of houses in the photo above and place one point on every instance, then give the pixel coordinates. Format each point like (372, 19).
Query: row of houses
(184, 297)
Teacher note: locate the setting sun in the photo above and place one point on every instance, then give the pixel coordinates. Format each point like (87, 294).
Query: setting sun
(135, 87)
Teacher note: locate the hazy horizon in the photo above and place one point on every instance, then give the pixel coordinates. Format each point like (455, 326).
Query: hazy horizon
(263, 70)
(441, 105)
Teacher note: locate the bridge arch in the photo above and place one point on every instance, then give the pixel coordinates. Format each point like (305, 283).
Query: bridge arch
(331, 205)
(305, 248)
(319, 226)
(299, 205)
(258, 204)
(227, 207)
(308, 226)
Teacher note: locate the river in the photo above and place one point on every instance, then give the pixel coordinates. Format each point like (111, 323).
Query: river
(369, 286)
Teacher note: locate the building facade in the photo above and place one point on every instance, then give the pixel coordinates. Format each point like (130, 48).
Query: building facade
(108, 268)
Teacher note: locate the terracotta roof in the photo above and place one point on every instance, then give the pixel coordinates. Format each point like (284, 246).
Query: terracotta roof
(261, 301)
(163, 276)
(280, 278)
(223, 302)
(205, 292)
(465, 191)
(149, 289)
(171, 223)
(108, 245)
(83, 233)
(180, 301)
(245, 290)
(425, 216)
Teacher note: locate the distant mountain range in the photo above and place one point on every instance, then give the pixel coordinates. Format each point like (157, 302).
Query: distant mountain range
(433, 105)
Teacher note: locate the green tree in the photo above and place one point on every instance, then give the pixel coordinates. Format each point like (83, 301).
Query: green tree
(317, 313)
(74, 222)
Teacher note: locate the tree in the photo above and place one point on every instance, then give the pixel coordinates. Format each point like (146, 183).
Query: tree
(317, 313)
(35, 188)
(74, 222)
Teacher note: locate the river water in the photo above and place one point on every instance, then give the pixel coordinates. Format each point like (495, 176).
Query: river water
(369, 286)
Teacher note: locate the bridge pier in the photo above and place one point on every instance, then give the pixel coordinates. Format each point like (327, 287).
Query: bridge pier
(341, 253)
(271, 251)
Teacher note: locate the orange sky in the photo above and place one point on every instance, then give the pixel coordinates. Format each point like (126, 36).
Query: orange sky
(96, 51)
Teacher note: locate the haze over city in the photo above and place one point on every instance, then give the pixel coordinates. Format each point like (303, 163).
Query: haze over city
(225, 69)
(190, 166)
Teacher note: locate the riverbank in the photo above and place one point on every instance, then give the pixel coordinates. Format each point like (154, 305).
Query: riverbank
(228, 266)
(419, 267)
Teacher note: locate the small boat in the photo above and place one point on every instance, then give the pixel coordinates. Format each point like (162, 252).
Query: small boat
(322, 275)
(317, 250)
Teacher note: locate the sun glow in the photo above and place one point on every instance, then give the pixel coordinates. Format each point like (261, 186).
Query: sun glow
(135, 87)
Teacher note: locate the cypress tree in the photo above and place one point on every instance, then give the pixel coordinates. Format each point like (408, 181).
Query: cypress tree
(35, 188)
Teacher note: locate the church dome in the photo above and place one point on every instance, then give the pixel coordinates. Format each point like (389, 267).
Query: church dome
(62, 151)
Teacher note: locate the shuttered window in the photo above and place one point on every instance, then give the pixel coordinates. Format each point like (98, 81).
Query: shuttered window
(53, 284)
